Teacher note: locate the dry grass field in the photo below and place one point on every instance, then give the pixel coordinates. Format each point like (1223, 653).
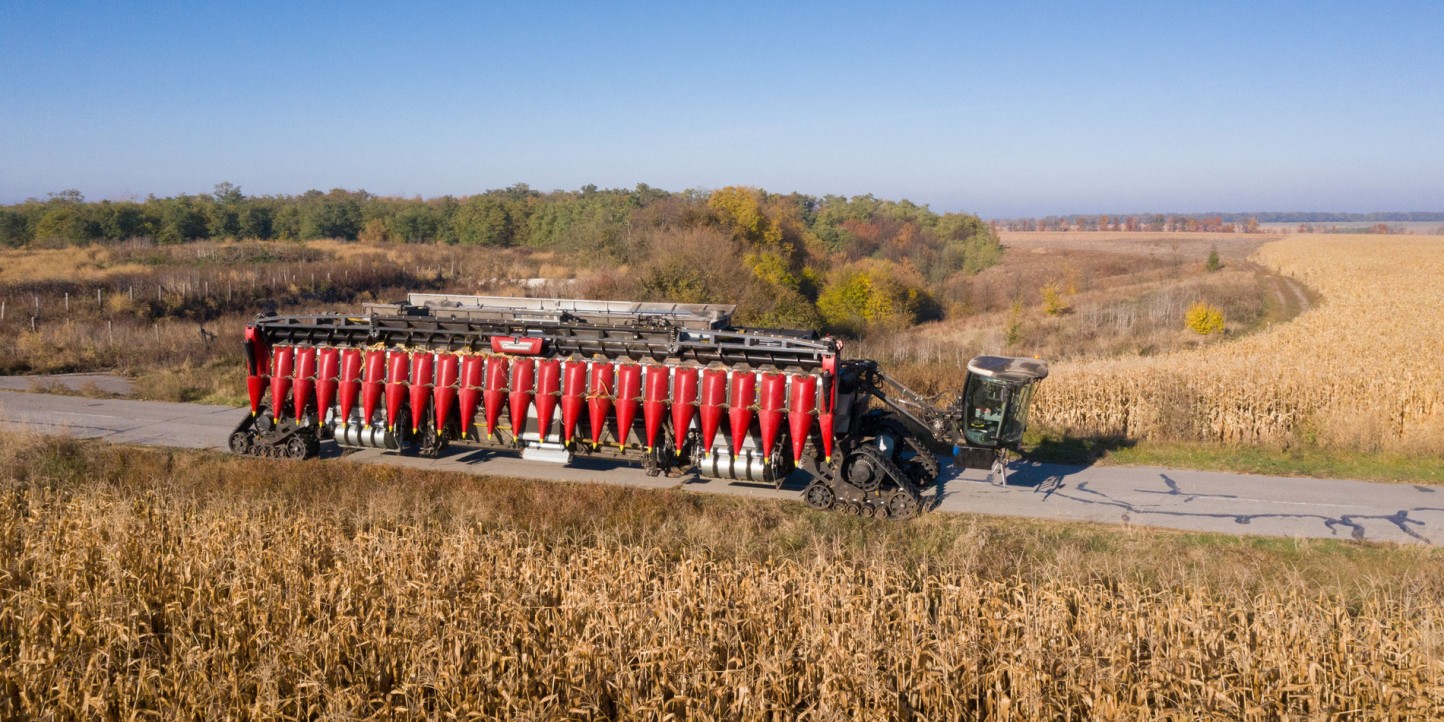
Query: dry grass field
(141, 584)
(1114, 295)
(170, 316)
(1360, 370)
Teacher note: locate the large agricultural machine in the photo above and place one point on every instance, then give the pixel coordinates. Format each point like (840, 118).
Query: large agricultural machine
(649, 383)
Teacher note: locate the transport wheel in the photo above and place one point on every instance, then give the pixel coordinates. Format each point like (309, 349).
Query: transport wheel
(241, 443)
(902, 505)
(296, 447)
(819, 495)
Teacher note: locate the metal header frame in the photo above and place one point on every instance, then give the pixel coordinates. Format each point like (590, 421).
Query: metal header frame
(584, 328)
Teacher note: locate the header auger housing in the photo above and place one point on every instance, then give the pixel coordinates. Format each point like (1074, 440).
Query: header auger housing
(669, 386)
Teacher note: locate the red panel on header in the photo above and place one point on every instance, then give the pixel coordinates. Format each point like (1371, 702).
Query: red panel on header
(516, 345)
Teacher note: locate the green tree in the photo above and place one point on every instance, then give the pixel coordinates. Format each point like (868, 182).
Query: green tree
(1213, 263)
(484, 220)
(255, 221)
(181, 219)
(14, 228)
(123, 221)
(286, 221)
(67, 221)
(223, 212)
(228, 193)
(414, 223)
(334, 216)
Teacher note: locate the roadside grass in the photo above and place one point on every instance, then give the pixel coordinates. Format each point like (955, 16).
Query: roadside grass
(217, 381)
(1297, 461)
(1303, 461)
(88, 390)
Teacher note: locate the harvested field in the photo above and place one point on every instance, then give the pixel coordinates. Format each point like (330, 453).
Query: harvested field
(1358, 370)
(183, 585)
(1169, 246)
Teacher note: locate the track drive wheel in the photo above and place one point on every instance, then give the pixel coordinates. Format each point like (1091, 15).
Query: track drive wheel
(296, 447)
(240, 443)
(865, 469)
(911, 455)
(819, 495)
(902, 505)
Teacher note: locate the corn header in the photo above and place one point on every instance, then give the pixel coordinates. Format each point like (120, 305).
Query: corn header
(673, 387)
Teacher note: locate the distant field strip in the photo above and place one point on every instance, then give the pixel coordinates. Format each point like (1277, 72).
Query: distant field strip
(1363, 368)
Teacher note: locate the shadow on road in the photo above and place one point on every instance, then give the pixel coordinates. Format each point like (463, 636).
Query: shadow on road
(1034, 481)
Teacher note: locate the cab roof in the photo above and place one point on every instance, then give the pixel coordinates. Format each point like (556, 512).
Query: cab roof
(1009, 368)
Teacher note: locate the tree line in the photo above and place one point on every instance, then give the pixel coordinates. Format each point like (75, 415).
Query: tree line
(1209, 222)
(1151, 222)
(851, 264)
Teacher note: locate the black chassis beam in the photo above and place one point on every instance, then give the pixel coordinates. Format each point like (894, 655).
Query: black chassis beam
(563, 339)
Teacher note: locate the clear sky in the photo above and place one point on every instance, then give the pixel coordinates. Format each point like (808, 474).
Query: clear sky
(998, 108)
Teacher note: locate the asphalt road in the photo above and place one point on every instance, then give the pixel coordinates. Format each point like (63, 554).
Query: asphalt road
(1146, 496)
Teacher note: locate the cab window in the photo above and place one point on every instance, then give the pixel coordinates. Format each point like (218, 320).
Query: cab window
(984, 411)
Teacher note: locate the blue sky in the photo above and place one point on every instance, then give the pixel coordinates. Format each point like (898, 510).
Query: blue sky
(1002, 109)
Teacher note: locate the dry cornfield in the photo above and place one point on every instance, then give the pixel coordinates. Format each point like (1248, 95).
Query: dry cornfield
(1361, 370)
(174, 585)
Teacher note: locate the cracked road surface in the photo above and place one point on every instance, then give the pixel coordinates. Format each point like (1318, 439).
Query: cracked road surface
(1145, 496)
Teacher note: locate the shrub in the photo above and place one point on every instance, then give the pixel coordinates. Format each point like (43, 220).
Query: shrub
(1053, 302)
(1013, 331)
(873, 294)
(1212, 264)
(375, 231)
(1204, 318)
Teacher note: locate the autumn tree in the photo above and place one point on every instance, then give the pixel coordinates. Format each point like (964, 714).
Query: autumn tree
(873, 294)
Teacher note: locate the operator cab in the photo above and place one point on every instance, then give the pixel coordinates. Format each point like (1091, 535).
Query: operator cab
(996, 398)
